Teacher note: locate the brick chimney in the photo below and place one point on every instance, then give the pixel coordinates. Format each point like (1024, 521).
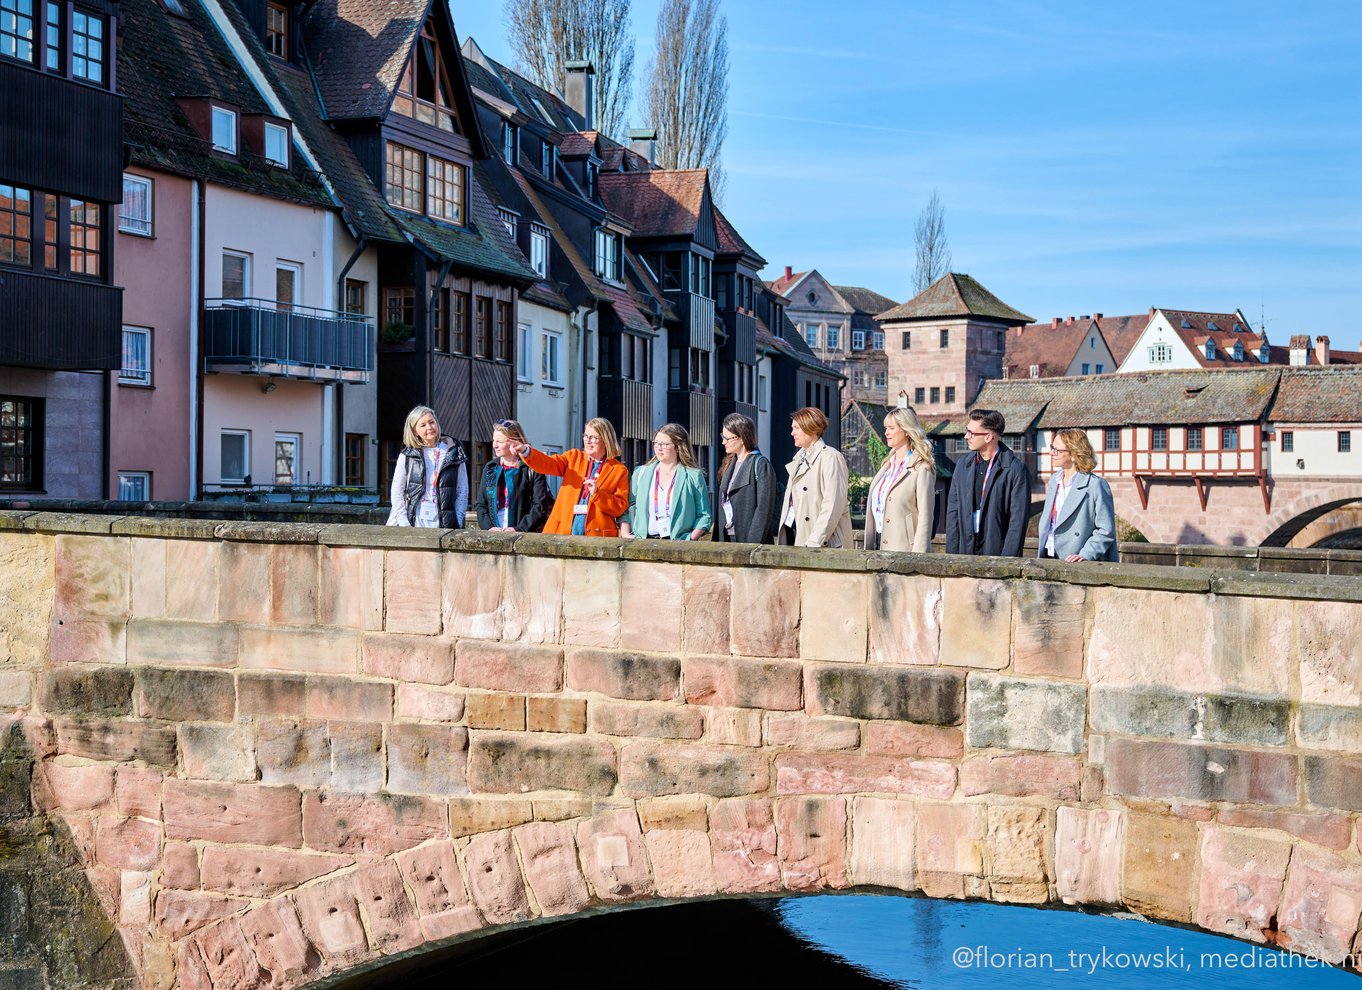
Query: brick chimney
(1300, 350)
(1322, 350)
(788, 271)
(1096, 316)
(643, 142)
(581, 91)
(1056, 321)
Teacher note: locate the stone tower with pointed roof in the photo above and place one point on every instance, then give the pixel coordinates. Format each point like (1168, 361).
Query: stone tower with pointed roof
(944, 343)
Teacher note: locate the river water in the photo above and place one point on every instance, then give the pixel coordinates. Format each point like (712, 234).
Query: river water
(951, 945)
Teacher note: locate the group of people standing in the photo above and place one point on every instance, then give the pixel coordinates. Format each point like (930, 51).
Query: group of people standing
(987, 508)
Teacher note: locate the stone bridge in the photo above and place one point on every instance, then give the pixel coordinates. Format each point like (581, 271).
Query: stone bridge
(239, 755)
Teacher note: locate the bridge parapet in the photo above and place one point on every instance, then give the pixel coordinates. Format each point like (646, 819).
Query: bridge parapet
(279, 753)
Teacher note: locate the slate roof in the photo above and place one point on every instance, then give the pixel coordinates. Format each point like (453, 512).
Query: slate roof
(864, 301)
(1331, 394)
(358, 49)
(162, 57)
(955, 295)
(1144, 398)
(660, 202)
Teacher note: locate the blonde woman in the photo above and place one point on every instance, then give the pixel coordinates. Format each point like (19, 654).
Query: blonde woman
(1078, 522)
(595, 489)
(899, 507)
(668, 498)
(430, 479)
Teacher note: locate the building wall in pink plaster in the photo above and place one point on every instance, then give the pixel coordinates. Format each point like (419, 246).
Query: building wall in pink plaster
(150, 426)
(236, 402)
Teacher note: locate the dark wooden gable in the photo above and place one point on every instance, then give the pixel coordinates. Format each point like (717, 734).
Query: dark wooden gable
(450, 59)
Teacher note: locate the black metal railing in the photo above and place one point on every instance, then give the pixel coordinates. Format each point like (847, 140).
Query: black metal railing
(284, 340)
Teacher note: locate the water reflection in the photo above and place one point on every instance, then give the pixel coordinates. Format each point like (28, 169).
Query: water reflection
(950, 945)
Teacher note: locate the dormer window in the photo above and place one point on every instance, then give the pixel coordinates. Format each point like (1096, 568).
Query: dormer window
(592, 171)
(276, 144)
(1210, 325)
(276, 30)
(1263, 354)
(548, 155)
(607, 254)
(1210, 350)
(224, 130)
(539, 249)
(426, 91)
(1238, 351)
(508, 220)
(510, 142)
(418, 183)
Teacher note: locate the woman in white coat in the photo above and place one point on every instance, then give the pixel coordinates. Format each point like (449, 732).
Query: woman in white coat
(1079, 519)
(900, 504)
(814, 512)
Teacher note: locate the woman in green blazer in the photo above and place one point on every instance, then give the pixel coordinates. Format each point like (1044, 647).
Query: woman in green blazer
(668, 496)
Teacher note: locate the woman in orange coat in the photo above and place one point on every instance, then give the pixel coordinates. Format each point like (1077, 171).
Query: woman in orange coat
(595, 489)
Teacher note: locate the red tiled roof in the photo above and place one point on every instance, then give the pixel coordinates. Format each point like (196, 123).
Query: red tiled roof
(1121, 332)
(659, 203)
(730, 241)
(1048, 347)
(779, 285)
(576, 144)
(1224, 329)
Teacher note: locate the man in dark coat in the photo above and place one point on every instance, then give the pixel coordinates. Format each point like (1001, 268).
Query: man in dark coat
(990, 497)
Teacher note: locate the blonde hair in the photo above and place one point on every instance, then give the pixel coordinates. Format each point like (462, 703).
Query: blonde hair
(1080, 449)
(409, 437)
(677, 434)
(906, 420)
(811, 420)
(606, 432)
(511, 429)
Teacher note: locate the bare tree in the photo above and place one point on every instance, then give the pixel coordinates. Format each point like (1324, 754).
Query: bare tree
(933, 250)
(688, 86)
(547, 34)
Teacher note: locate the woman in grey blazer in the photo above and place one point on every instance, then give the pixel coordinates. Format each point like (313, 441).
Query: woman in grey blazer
(900, 502)
(747, 486)
(1079, 519)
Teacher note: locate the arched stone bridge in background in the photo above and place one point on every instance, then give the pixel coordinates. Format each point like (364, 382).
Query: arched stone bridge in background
(248, 755)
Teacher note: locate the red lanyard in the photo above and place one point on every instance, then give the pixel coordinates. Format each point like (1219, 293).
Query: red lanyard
(983, 491)
(657, 489)
(435, 471)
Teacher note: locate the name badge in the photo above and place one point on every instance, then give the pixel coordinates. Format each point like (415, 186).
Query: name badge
(976, 519)
(790, 516)
(579, 510)
(728, 513)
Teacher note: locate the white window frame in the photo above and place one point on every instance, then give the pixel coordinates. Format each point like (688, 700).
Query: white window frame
(877, 340)
(136, 376)
(1160, 353)
(834, 338)
(881, 379)
(247, 274)
(551, 360)
(811, 334)
(539, 249)
(228, 119)
(524, 352)
(132, 478)
(296, 439)
(130, 223)
(508, 220)
(285, 137)
(245, 436)
(280, 265)
(858, 340)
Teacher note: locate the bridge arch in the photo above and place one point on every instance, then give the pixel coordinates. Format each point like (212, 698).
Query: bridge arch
(1301, 509)
(288, 753)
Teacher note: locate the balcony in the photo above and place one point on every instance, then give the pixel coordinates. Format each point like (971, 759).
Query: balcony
(264, 337)
(60, 324)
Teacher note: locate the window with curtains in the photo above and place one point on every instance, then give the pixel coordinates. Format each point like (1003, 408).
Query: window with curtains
(21, 442)
(134, 216)
(136, 367)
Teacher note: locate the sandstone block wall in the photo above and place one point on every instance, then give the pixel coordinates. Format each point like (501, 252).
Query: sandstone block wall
(277, 753)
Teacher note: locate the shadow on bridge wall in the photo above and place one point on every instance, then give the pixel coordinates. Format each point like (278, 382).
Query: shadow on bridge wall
(55, 928)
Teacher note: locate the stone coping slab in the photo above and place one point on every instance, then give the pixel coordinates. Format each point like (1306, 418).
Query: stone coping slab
(1200, 579)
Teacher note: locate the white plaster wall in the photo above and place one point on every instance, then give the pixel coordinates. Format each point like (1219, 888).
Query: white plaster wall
(270, 230)
(1158, 332)
(545, 412)
(359, 403)
(1092, 356)
(236, 402)
(1317, 445)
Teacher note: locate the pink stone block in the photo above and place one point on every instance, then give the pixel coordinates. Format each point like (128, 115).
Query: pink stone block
(614, 857)
(193, 971)
(813, 842)
(549, 853)
(192, 591)
(473, 595)
(294, 585)
(429, 704)
(725, 682)
(229, 960)
(149, 577)
(652, 598)
(742, 834)
(316, 651)
(244, 582)
(765, 613)
(380, 825)
(907, 739)
(1321, 904)
(264, 872)
(1089, 849)
(343, 698)
(75, 788)
(138, 792)
(882, 842)
(134, 907)
(950, 849)
(232, 813)
(798, 731)
(179, 912)
(329, 913)
(89, 641)
(508, 666)
(92, 577)
(838, 773)
(127, 843)
(180, 866)
(276, 936)
(422, 659)
(1241, 883)
(384, 903)
(1332, 831)
(591, 602)
(1023, 775)
(708, 601)
(683, 865)
(351, 588)
(412, 592)
(494, 878)
(432, 875)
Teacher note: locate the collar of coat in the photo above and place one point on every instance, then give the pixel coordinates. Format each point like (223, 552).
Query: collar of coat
(810, 455)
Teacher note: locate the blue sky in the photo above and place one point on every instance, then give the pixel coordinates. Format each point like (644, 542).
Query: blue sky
(1092, 157)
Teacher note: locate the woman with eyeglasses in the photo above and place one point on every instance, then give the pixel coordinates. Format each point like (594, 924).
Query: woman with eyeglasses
(668, 498)
(1078, 522)
(747, 486)
(900, 504)
(595, 489)
(430, 479)
(512, 498)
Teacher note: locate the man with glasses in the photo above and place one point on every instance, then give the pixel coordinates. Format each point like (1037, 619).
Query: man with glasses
(990, 497)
